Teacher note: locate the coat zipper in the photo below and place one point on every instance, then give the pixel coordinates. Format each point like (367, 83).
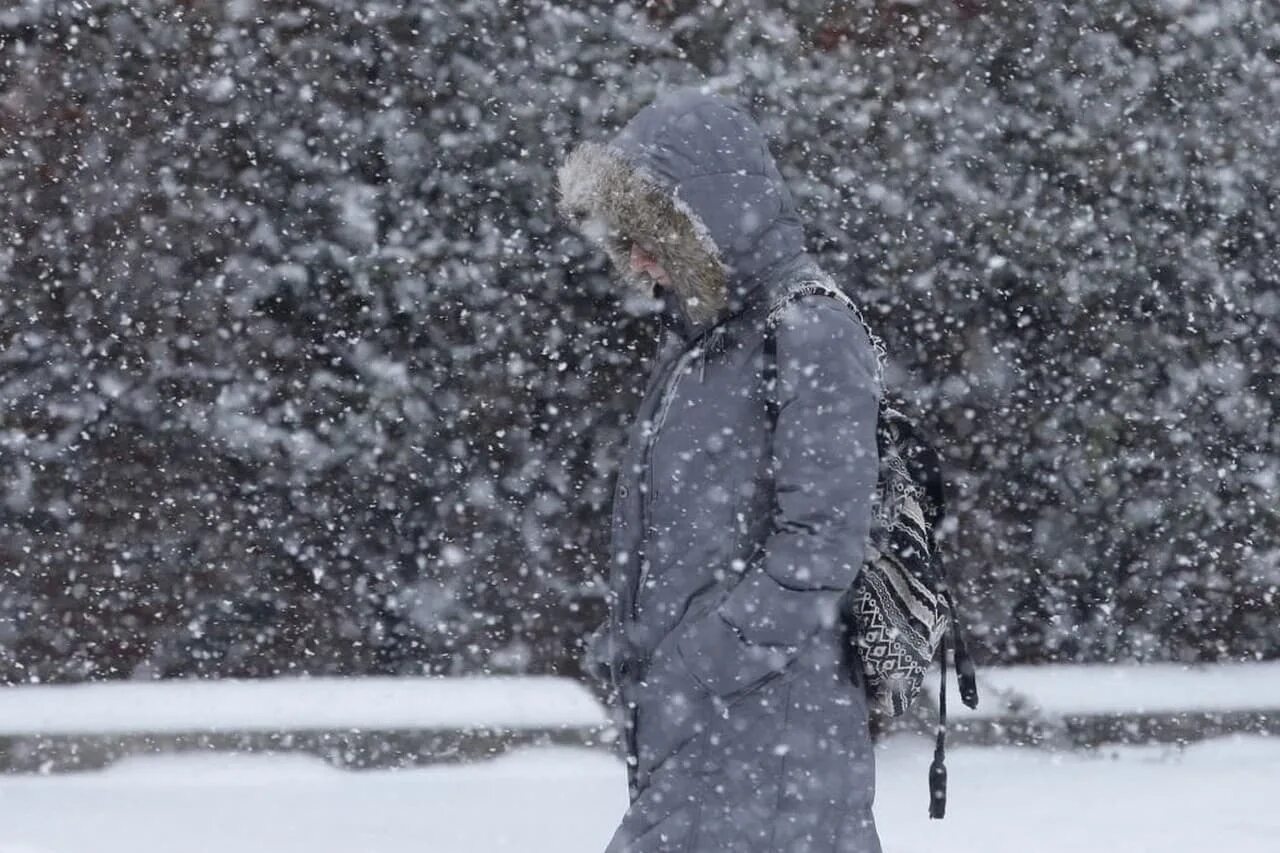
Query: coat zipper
(672, 384)
(664, 406)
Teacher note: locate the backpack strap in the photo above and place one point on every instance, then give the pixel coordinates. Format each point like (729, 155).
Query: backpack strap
(808, 287)
(967, 678)
(796, 291)
(938, 768)
(771, 374)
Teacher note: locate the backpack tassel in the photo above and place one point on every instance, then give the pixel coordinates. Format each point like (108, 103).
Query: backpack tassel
(938, 780)
(966, 673)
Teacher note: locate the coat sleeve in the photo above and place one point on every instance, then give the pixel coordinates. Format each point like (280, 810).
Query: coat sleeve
(826, 466)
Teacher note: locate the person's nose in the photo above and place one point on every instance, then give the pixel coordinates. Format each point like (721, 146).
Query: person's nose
(639, 261)
(643, 262)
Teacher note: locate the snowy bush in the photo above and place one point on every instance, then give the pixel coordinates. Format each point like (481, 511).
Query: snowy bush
(301, 373)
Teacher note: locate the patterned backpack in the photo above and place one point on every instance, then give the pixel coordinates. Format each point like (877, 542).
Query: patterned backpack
(899, 611)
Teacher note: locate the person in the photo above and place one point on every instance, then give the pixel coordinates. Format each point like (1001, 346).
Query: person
(733, 536)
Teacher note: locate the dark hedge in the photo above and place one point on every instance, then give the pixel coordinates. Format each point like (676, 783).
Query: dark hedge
(301, 374)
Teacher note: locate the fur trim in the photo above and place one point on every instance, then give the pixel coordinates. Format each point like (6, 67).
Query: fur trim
(615, 202)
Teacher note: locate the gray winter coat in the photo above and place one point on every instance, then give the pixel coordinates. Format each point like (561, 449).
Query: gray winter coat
(743, 730)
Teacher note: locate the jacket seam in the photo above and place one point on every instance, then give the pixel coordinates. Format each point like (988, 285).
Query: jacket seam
(739, 172)
(782, 775)
(696, 834)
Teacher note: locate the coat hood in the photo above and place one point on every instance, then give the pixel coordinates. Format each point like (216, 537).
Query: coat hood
(691, 179)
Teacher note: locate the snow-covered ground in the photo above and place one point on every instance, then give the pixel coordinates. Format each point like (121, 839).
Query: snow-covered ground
(1219, 795)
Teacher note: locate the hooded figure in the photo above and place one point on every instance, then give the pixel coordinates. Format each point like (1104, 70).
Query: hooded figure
(733, 539)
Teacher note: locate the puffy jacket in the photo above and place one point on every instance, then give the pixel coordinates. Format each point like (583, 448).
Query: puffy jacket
(731, 541)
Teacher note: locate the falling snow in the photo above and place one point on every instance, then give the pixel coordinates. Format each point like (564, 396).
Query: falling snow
(302, 374)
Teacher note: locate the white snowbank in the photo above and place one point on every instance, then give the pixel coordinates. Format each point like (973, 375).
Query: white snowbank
(513, 703)
(1063, 689)
(299, 704)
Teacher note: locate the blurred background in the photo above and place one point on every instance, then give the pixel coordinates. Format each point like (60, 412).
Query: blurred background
(300, 373)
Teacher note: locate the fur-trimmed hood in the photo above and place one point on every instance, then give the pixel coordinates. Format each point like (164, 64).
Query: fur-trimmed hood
(691, 179)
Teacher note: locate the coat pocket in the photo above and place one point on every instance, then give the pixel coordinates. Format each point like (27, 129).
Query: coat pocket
(672, 832)
(719, 659)
(742, 741)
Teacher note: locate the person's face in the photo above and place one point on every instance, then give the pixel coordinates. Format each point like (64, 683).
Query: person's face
(643, 262)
